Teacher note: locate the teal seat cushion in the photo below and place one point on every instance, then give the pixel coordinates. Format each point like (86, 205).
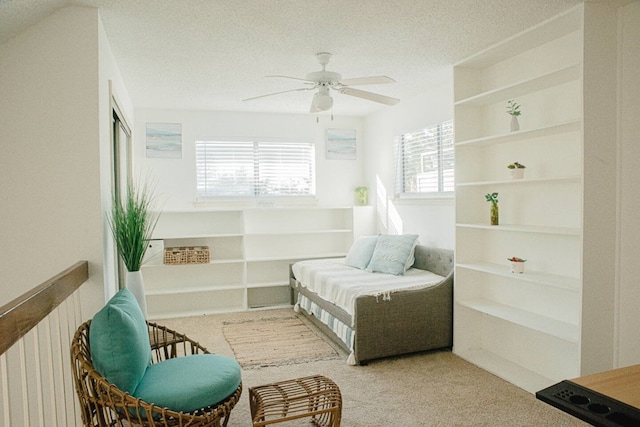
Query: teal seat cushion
(189, 383)
(393, 254)
(119, 341)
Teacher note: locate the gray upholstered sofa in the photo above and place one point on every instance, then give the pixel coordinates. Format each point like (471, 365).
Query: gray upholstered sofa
(410, 321)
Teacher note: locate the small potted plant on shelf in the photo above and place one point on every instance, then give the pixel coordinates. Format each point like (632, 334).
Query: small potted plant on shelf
(513, 109)
(361, 195)
(494, 214)
(517, 170)
(517, 264)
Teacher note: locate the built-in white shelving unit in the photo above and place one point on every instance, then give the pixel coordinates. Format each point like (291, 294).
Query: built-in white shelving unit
(251, 250)
(533, 328)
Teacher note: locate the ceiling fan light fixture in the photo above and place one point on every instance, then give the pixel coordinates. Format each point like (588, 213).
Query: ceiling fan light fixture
(322, 101)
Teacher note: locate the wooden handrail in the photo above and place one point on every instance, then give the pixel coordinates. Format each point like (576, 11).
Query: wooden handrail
(22, 314)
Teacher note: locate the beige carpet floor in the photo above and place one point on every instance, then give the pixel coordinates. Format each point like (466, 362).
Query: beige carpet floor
(429, 389)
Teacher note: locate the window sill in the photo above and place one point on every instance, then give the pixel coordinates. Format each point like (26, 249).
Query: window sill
(430, 200)
(235, 203)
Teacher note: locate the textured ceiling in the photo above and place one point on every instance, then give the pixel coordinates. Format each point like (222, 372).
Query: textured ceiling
(211, 54)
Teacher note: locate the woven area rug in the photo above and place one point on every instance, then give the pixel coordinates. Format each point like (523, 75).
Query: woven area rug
(275, 342)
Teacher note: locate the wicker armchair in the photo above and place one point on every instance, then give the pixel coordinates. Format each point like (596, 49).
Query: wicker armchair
(104, 404)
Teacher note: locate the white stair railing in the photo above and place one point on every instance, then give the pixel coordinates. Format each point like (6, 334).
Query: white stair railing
(36, 382)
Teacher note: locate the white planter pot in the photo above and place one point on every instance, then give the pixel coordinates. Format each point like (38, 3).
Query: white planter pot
(517, 173)
(517, 267)
(515, 126)
(135, 284)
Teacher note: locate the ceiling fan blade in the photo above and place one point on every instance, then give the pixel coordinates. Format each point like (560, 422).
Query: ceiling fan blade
(370, 96)
(278, 93)
(292, 78)
(373, 80)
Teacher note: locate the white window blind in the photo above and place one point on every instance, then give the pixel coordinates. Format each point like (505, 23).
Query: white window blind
(254, 169)
(425, 161)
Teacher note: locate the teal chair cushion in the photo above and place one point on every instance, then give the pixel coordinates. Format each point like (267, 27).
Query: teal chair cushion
(189, 383)
(119, 341)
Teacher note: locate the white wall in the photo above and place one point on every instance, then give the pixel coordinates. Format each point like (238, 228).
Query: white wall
(49, 167)
(432, 219)
(628, 298)
(55, 163)
(111, 89)
(176, 178)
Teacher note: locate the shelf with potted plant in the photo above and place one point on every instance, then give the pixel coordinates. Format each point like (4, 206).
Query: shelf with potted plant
(536, 277)
(560, 82)
(504, 322)
(541, 180)
(522, 135)
(522, 213)
(514, 180)
(511, 304)
(522, 228)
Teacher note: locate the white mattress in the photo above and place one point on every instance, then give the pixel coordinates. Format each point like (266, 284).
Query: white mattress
(336, 282)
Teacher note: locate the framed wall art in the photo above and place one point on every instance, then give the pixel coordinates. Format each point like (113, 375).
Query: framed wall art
(164, 140)
(341, 144)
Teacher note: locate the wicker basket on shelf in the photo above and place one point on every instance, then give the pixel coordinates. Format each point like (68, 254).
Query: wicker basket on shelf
(187, 255)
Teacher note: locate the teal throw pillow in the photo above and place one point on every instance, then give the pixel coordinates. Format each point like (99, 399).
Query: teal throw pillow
(191, 382)
(361, 251)
(119, 341)
(393, 254)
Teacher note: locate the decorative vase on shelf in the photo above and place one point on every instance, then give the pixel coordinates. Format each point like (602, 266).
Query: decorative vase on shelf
(513, 109)
(135, 284)
(515, 126)
(493, 199)
(494, 214)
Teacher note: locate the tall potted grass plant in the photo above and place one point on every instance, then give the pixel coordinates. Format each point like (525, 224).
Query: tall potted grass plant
(132, 221)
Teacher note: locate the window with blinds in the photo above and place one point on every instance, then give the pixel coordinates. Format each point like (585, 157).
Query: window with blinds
(425, 160)
(227, 169)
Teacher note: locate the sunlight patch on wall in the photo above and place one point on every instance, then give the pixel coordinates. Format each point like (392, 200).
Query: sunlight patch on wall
(389, 219)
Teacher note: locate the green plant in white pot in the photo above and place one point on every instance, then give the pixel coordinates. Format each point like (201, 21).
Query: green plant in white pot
(517, 264)
(361, 195)
(513, 109)
(516, 170)
(132, 222)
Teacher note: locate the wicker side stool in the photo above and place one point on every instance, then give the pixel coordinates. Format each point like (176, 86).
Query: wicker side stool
(316, 397)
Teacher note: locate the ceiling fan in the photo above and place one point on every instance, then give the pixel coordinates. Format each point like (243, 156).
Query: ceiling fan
(323, 81)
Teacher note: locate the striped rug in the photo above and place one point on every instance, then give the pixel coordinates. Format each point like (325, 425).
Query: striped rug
(275, 342)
